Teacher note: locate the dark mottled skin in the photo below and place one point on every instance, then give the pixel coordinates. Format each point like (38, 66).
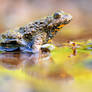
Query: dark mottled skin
(31, 36)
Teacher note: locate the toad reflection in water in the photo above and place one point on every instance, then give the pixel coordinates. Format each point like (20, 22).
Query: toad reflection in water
(17, 59)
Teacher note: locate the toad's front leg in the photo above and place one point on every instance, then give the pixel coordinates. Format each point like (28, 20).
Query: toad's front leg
(38, 41)
(35, 45)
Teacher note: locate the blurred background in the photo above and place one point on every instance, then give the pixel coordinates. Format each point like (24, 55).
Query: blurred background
(64, 72)
(16, 13)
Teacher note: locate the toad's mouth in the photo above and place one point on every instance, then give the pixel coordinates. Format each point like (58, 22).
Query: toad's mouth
(59, 27)
(62, 25)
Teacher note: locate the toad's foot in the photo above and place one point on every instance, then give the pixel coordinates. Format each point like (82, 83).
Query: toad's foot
(48, 46)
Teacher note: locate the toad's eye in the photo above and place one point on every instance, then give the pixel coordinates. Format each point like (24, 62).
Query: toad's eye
(57, 15)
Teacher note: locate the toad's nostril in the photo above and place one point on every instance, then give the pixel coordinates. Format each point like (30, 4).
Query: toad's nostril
(68, 17)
